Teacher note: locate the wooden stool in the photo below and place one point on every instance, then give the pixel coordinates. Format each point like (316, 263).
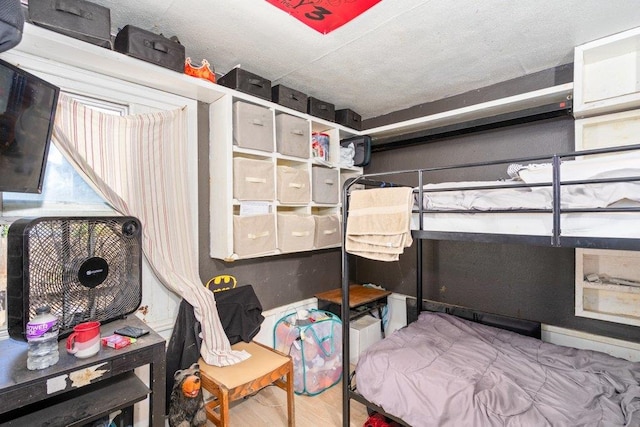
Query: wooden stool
(228, 383)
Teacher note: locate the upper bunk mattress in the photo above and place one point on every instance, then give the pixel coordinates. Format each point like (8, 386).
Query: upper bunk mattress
(488, 197)
(445, 371)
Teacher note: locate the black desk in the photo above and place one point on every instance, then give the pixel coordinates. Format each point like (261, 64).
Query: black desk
(77, 391)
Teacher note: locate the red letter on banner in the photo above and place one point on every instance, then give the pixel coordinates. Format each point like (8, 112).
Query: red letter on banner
(324, 15)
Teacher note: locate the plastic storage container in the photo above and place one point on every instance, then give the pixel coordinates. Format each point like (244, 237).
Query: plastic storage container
(42, 336)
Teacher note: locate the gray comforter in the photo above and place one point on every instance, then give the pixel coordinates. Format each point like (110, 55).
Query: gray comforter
(444, 371)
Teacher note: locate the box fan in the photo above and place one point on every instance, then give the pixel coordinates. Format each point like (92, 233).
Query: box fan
(84, 268)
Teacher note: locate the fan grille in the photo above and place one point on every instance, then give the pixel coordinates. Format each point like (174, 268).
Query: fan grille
(59, 266)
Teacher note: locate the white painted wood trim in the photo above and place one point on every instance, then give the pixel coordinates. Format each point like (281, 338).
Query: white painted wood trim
(484, 109)
(571, 338)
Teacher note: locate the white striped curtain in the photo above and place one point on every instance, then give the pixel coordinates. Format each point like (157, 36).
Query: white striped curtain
(137, 163)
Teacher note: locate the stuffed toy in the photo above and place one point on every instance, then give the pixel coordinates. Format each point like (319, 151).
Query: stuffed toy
(186, 408)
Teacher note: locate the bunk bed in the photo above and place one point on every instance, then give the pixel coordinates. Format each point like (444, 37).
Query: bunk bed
(553, 206)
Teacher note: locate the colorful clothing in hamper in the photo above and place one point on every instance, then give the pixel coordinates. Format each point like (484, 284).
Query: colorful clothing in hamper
(315, 345)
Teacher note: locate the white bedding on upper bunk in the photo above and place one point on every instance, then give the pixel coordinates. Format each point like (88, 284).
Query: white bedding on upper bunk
(595, 195)
(605, 224)
(598, 195)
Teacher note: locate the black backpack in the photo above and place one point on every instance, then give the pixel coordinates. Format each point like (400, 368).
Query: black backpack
(362, 145)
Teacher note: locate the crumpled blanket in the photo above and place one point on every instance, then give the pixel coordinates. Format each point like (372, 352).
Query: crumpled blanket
(446, 371)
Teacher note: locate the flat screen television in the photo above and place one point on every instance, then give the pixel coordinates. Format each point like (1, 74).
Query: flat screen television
(27, 110)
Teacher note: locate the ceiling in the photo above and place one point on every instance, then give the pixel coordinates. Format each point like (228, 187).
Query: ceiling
(398, 54)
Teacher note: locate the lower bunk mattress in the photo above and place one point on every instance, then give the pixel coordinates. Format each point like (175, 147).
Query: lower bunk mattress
(446, 371)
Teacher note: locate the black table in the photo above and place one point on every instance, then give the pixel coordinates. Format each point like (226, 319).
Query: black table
(78, 391)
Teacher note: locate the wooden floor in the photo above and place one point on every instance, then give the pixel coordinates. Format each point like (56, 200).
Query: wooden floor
(269, 408)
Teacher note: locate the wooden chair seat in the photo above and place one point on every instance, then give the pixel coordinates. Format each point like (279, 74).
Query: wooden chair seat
(266, 366)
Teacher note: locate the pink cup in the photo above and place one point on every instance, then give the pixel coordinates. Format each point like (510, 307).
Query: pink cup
(84, 341)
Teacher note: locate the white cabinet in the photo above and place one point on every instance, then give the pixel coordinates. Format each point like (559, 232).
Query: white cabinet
(608, 285)
(606, 101)
(262, 182)
(607, 74)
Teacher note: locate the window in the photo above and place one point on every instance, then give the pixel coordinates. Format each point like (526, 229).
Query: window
(64, 192)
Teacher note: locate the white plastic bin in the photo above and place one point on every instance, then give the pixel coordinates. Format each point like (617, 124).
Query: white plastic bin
(363, 332)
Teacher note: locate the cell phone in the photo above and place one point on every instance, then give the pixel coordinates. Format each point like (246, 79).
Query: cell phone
(131, 331)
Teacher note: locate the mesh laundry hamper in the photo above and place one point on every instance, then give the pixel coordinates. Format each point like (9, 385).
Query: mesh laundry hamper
(315, 345)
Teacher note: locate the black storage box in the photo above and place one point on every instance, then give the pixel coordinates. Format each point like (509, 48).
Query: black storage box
(321, 109)
(150, 47)
(247, 82)
(349, 118)
(288, 97)
(362, 145)
(79, 19)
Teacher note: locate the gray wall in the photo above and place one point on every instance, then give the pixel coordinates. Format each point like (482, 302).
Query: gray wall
(529, 282)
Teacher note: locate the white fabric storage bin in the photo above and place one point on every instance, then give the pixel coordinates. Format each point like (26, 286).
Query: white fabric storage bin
(253, 179)
(294, 185)
(252, 126)
(254, 234)
(295, 232)
(363, 332)
(328, 232)
(292, 136)
(326, 185)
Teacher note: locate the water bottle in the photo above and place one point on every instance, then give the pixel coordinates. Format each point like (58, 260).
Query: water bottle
(42, 336)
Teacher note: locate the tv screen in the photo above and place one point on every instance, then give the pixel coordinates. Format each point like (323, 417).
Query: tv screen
(27, 110)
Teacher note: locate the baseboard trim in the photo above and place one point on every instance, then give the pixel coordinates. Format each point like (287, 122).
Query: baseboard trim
(568, 337)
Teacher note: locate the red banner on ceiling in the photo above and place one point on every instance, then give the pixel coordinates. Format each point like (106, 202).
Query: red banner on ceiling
(324, 15)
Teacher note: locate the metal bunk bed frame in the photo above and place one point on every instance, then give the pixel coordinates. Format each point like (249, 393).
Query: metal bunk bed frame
(556, 239)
